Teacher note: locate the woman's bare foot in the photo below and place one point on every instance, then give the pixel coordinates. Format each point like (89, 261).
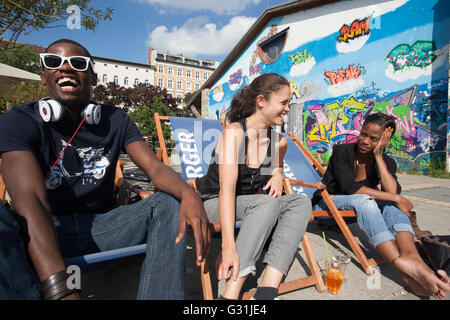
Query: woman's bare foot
(422, 276)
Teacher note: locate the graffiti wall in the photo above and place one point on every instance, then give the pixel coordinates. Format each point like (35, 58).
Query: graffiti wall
(352, 58)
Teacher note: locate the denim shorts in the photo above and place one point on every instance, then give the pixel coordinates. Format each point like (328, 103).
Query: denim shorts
(380, 220)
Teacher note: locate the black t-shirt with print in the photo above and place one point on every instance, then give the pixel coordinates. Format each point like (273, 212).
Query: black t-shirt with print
(83, 178)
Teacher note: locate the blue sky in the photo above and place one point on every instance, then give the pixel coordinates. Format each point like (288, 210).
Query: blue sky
(195, 28)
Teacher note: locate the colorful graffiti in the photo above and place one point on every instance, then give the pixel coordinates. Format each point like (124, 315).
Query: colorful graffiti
(420, 54)
(351, 66)
(236, 77)
(255, 70)
(332, 123)
(342, 75)
(299, 57)
(355, 30)
(340, 122)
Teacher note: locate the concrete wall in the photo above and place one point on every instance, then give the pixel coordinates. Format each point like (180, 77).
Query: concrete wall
(351, 58)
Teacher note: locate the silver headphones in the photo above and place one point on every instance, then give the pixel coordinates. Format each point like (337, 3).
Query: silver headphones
(52, 111)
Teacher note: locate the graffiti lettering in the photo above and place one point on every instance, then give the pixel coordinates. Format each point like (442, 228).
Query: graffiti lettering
(255, 70)
(337, 122)
(343, 74)
(299, 57)
(236, 77)
(420, 54)
(355, 30)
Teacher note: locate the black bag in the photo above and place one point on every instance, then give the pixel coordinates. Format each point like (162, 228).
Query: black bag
(437, 251)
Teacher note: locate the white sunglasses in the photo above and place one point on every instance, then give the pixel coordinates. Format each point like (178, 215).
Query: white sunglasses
(54, 61)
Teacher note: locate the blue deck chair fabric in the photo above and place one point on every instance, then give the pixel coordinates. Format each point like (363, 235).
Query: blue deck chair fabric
(296, 166)
(195, 139)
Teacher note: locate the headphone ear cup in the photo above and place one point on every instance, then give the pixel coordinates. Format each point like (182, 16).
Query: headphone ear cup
(92, 113)
(50, 110)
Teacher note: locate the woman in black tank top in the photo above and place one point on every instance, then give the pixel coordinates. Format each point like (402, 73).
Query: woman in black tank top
(245, 182)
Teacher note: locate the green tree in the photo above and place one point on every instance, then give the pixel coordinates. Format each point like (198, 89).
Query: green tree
(22, 93)
(143, 116)
(25, 16)
(21, 57)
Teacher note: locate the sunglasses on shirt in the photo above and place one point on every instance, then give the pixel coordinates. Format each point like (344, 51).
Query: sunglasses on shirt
(54, 61)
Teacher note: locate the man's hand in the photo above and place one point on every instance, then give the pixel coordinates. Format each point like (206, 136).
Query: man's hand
(192, 212)
(384, 140)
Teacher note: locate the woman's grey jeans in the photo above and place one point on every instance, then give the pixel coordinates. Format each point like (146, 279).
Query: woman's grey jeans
(259, 214)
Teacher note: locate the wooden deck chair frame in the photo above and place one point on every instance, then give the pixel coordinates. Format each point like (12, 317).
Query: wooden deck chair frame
(336, 214)
(93, 258)
(315, 279)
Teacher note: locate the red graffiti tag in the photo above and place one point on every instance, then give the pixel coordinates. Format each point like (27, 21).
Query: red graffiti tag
(357, 29)
(343, 74)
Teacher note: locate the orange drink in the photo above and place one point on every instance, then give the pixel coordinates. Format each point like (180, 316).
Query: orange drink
(333, 279)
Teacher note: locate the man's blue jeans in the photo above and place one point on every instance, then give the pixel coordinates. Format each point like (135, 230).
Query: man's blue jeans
(153, 221)
(380, 220)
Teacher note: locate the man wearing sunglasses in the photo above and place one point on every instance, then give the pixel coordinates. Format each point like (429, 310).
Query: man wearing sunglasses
(61, 188)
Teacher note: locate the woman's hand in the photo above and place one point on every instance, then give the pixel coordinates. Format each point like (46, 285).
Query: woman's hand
(404, 205)
(275, 184)
(384, 140)
(227, 260)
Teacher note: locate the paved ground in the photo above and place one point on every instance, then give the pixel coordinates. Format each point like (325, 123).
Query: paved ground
(430, 196)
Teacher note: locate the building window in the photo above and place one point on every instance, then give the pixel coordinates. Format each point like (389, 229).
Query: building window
(180, 72)
(146, 81)
(270, 49)
(161, 69)
(170, 70)
(136, 81)
(125, 81)
(179, 85)
(105, 78)
(205, 75)
(197, 75)
(188, 86)
(170, 84)
(116, 79)
(197, 86)
(160, 82)
(188, 73)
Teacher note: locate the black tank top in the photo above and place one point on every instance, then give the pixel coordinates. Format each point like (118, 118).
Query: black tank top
(250, 180)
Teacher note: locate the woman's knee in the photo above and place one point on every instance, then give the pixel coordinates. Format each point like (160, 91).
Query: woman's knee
(365, 204)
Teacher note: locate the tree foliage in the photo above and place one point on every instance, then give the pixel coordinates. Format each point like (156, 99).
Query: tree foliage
(130, 98)
(22, 93)
(143, 115)
(22, 57)
(25, 16)
(141, 102)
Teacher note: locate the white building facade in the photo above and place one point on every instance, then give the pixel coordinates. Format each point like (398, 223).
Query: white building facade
(124, 73)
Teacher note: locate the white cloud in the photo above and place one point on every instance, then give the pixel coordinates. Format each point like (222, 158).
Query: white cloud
(352, 44)
(345, 87)
(217, 6)
(302, 69)
(198, 36)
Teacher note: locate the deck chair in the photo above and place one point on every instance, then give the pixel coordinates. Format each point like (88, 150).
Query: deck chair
(87, 261)
(301, 164)
(195, 139)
